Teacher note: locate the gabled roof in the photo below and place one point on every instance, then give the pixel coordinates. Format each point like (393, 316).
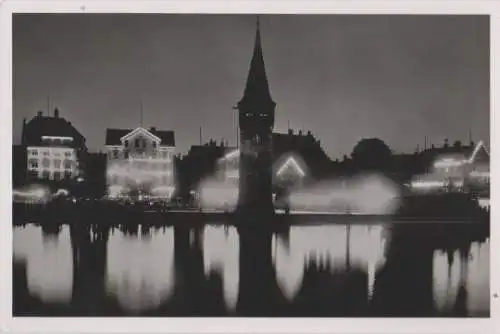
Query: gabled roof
(40, 126)
(113, 136)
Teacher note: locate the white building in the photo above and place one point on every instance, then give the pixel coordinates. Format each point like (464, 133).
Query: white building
(54, 148)
(140, 161)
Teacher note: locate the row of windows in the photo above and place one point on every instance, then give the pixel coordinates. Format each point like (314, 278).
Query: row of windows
(55, 175)
(57, 140)
(115, 154)
(34, 153)
(116, 179)
(140, 143)
(46, 163)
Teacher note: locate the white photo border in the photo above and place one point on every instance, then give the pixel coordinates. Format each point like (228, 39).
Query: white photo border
(237, 325)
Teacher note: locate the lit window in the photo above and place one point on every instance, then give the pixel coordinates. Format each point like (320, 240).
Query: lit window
(46, 163)
(67, 164)
(33, 163)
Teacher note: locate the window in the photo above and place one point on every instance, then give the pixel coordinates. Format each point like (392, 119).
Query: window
(33, 163)
(67, 164)
(46, 153)
(46, 174)
(32, 174)
(45, 163)
(154, 145)
(126, 143)
(115, 154)
(57, 163)
(67, 174)
(34, 152)
(126, 154)
(57, 176)
(137, 143)
(68, 154)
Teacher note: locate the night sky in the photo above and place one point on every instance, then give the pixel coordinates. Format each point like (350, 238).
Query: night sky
(346, 77)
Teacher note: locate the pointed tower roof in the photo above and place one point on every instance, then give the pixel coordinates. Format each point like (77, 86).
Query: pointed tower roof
(257, 87)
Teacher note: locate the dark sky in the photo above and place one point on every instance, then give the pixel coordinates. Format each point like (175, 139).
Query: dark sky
(345, 77)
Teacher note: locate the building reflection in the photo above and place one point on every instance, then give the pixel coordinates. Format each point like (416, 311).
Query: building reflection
(89, 244)
(395, 269)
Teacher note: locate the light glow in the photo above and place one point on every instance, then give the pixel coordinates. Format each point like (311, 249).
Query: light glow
(479, 174)
(476, 149)
(35, 193)
(232, 154)
(427, 184)
(115, 191)
(164, 191)
(291, 162)
(448, 162)
(57, 138)
(61, 192)
(140, 130)
(218, 195)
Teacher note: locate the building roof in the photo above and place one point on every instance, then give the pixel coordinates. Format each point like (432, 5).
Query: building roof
(257, 87)
(113, 136)
(41, 125)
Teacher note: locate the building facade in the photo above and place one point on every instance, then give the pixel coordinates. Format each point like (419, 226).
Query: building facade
(54, 148)
(140, 162)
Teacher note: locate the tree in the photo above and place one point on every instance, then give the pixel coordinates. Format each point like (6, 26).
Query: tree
(371, 154)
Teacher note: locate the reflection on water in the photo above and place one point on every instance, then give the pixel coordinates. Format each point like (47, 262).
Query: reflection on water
(139, 271)
(393, 269)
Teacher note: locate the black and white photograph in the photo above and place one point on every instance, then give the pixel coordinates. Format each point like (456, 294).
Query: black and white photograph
(250, 165)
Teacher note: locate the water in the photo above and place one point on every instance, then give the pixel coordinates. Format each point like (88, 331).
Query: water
(381, 269)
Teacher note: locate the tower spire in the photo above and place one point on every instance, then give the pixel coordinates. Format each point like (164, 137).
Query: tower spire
(257, 88)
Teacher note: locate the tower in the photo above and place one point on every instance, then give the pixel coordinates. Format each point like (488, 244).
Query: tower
(256, 122)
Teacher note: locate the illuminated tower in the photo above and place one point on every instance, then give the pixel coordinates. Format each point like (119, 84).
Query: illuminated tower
(256, 122)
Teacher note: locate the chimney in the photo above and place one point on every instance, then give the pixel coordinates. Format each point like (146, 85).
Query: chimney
(39, 114)
(56, 113)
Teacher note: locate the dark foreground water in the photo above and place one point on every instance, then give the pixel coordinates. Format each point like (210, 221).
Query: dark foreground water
(383, 269)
